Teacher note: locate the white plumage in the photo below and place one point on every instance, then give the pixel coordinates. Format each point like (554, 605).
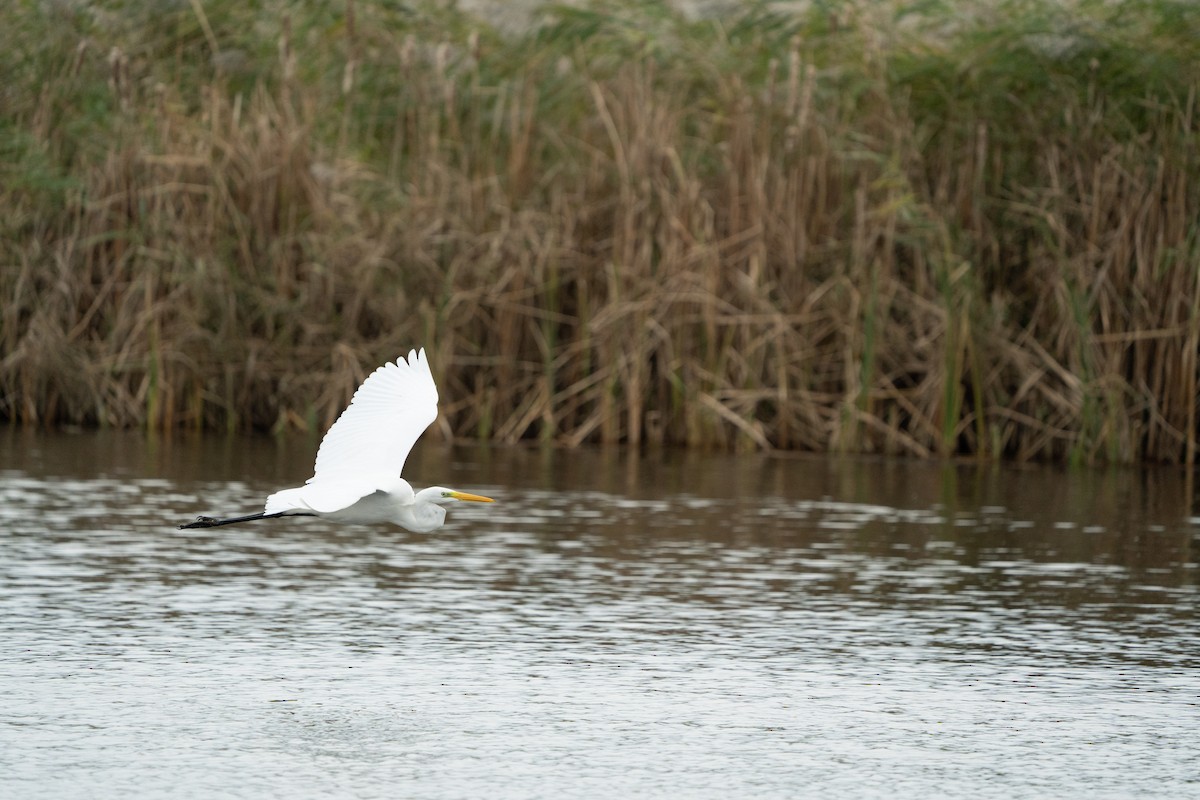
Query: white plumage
(386, 416)
(357, 474)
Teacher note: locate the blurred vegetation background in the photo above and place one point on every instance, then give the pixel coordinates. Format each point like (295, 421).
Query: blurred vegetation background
(921, 228)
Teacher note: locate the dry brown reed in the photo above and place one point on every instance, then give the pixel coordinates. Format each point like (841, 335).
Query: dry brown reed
(804, 232)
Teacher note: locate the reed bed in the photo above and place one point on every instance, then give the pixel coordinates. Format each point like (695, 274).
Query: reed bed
(899, 230)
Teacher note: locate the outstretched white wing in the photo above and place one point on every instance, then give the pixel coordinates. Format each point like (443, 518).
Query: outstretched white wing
(388, 413)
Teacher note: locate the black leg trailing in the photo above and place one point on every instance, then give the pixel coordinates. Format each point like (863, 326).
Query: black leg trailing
(212, 522)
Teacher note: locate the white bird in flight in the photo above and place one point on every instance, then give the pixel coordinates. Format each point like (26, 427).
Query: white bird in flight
(357, 477)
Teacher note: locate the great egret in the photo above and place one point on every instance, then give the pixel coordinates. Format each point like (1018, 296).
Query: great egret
(357, 477)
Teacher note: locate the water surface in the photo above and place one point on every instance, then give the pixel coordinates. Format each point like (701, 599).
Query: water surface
(666, 625)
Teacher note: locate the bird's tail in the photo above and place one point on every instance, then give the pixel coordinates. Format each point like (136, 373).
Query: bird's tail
(285, 501)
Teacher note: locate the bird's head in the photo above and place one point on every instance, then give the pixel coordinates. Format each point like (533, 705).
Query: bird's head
(441, 496)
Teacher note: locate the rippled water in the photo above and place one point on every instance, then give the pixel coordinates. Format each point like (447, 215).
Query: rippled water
(615, 626)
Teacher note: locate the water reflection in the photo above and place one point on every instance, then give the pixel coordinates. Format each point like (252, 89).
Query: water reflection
(661, 625)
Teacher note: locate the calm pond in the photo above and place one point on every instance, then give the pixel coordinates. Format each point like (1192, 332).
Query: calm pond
(666, 625)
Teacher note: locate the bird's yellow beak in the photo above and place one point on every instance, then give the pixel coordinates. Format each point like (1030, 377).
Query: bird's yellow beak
(473, 498)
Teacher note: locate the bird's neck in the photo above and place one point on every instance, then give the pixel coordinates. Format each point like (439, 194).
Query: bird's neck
(422, 516)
